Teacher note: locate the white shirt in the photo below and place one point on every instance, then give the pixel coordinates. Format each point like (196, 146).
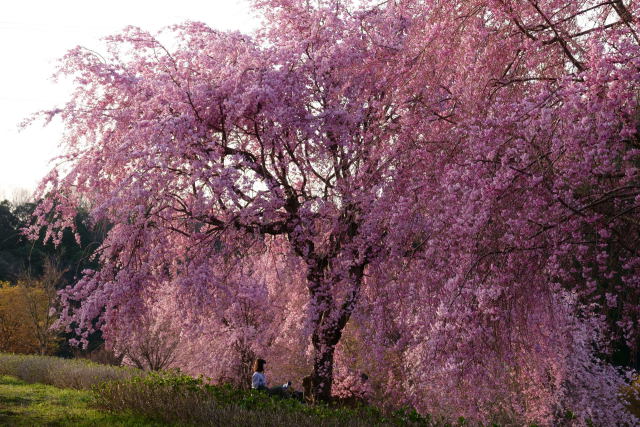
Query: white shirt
(258, 380)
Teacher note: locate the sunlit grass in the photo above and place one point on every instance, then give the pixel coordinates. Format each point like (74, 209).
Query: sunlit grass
(41, 390)
(65, 373)
(23, 404)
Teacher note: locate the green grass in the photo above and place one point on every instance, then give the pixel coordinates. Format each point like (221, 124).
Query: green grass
(41, 390)
(23, 404)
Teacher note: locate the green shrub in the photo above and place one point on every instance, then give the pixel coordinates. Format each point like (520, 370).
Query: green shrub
(632, 396)
(171, 397)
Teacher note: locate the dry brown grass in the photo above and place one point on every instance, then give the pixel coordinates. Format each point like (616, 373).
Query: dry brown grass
(64, 373)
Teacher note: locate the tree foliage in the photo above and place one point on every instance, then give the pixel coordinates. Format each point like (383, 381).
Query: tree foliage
(26, 316)
(15, 334)
(460, 179)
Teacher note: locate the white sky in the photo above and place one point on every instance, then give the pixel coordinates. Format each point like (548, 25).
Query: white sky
(35, 33)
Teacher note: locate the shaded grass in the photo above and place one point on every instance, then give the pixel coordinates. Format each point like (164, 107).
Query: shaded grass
(23, 404)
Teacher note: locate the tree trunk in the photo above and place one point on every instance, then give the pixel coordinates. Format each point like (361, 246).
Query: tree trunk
(322, 378)
(329, 322)
(329, 318)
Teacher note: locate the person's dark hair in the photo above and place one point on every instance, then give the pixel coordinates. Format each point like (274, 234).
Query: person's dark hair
(258, 365)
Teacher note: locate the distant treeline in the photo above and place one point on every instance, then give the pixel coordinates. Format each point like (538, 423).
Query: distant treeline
(19, 256)
(30, 274)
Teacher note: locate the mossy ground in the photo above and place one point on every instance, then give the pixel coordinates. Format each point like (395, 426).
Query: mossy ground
(23, 404)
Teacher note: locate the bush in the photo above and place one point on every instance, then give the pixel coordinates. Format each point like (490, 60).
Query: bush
(632, 396)
(171, 397)
(64, 373)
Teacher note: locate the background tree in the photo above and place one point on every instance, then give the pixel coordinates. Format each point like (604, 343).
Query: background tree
(27, 314)
(28, 262)
(16, 336)
(20, 256)
(40, 304)
(10, 257)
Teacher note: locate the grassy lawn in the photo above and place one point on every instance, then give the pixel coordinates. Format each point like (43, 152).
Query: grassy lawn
(23, 404)
(43, 390)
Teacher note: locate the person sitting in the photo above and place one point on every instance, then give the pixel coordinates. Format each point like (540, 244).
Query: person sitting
(259, 380)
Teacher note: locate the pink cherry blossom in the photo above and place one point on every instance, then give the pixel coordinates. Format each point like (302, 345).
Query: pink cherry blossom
(451, 185)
